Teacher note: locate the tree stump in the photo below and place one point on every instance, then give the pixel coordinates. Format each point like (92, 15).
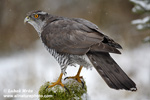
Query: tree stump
(74, 91)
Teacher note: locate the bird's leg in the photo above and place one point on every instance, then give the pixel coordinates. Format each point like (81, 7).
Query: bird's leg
(58, 82)
(77, 76)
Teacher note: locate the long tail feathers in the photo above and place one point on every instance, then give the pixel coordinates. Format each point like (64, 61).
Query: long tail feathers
(110, 71)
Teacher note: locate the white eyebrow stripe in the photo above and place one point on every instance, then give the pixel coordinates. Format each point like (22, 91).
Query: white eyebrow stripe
(42, 12)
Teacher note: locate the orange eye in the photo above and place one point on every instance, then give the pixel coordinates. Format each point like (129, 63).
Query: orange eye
(36, 15)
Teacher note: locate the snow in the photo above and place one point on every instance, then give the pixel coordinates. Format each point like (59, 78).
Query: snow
(142, 23)
(141, 4)
(147, 39)
(32, 68)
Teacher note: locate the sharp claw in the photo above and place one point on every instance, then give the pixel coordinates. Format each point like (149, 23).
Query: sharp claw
(82, 84)
(67, 89)
(65, 78)
(46, 87)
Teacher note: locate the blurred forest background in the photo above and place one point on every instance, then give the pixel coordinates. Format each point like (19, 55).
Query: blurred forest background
(20, 43)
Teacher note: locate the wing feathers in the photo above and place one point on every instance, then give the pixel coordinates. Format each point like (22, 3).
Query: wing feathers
(104, 48)
(76, 36)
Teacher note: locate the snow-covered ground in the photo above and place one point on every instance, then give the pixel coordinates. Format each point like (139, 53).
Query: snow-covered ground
(24, 73)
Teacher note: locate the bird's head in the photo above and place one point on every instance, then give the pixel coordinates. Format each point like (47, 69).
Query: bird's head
(37, 19)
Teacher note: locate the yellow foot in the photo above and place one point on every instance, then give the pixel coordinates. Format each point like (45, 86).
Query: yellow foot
(58, 82)
(77, 77)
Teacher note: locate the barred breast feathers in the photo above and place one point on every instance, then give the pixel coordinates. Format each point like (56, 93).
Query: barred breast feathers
(65, 60)
(62, 59)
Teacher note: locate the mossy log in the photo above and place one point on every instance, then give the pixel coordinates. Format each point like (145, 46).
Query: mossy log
(74, 91)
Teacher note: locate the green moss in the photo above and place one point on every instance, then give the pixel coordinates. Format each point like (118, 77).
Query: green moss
(76, 91)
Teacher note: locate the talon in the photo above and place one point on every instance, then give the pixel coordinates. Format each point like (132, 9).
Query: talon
(77, 77)
(82, 84)
(66, 89)
(58, 82)
(65, 78)
(46, 87)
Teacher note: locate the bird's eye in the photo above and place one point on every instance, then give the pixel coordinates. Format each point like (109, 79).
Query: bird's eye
(36, 16)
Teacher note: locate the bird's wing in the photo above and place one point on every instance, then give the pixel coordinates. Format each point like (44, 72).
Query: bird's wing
(75, 36)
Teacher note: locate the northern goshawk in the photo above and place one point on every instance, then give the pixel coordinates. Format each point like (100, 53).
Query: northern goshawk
(74, 41)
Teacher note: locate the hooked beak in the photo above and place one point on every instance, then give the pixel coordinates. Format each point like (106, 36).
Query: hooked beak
(27, 19)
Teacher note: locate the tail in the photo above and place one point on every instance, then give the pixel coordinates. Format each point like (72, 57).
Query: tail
(110, 71)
